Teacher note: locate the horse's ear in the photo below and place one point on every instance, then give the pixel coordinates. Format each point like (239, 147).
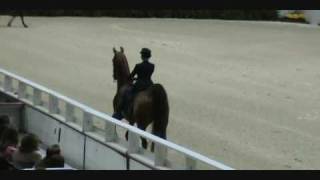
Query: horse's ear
(114, 50)
(121, 49)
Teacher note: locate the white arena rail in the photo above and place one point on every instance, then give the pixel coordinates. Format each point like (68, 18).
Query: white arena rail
(54, 118)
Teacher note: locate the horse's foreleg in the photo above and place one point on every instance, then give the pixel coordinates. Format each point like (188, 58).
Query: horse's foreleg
(116, 110)
(114, 102)
(131, 123)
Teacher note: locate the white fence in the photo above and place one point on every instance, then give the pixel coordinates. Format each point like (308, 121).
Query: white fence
(89, 138)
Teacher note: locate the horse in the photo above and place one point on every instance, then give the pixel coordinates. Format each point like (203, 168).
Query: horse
(148, 106)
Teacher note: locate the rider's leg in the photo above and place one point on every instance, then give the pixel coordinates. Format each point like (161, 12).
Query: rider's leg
(24, 24)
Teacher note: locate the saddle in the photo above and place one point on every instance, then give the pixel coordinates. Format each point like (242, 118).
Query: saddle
(128, 99)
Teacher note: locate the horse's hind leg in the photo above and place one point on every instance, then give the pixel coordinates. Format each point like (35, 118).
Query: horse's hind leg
(162, 135)
(143, 140)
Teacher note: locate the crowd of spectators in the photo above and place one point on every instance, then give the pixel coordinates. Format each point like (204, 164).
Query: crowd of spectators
(23, 152)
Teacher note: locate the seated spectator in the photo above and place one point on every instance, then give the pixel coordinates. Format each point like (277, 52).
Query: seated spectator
(5, 165)
(53, 158)
(27, 154)
(4, 123)
(8, 143)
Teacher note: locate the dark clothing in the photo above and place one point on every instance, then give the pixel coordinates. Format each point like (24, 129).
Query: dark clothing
(4, 123)
(144, 72)
(54, 161)
(5, 165)
(25, 160)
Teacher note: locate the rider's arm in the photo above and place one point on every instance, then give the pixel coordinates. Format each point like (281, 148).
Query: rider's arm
(133, 73)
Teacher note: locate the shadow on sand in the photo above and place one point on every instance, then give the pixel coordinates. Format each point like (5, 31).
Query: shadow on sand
(13, 26)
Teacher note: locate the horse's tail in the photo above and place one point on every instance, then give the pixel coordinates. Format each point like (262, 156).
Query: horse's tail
(160, 110)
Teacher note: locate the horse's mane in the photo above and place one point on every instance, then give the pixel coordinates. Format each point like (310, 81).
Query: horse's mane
(121, 71)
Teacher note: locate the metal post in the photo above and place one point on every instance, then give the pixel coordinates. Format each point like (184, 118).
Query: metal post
(22, 90)
(7, 83)
(53, 104)
(160, 155)
(110, 132)
(36, 97)
(87, 124)
(190, 163)
(133, 142)
(69, 113)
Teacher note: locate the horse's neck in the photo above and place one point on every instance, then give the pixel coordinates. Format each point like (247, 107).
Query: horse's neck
(120, 84)
(123, 74)
(124, 79)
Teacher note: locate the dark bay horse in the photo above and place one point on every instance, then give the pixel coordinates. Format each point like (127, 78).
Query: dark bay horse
(149, 106)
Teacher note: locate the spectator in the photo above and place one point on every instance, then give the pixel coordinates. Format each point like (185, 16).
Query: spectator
(4, 123)
(53, 158)
(27, 154)
(8, 143)
(5, 165)
(55, 161)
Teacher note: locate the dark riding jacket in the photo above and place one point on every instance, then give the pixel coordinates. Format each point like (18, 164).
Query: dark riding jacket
(144, 71)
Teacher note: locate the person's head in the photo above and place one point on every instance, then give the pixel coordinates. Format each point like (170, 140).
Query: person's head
(29, 143)
(10, 137)
(53, 150)
(4, 123)
(145, 54)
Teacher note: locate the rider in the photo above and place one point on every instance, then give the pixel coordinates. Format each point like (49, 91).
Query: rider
(144, 72)
(14, 15)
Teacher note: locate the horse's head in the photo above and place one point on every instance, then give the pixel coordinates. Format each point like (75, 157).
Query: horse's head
(121, 70)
